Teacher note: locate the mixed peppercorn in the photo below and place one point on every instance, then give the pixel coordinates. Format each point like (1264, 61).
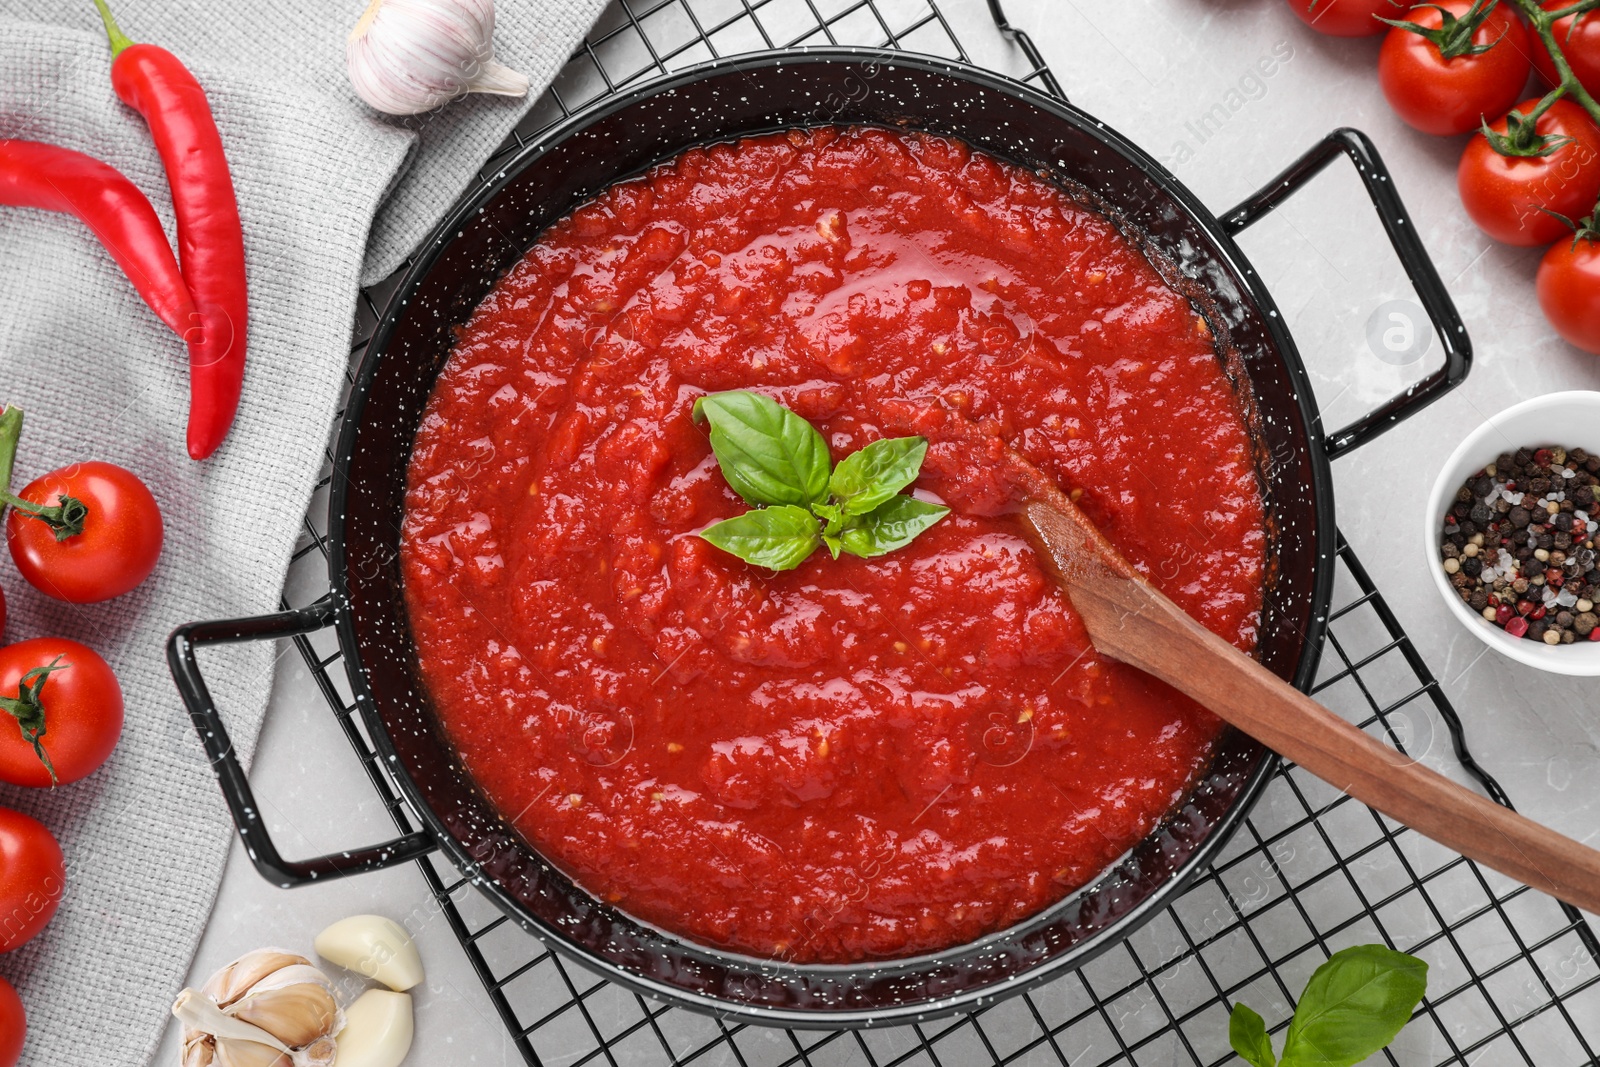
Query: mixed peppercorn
(1518, 544)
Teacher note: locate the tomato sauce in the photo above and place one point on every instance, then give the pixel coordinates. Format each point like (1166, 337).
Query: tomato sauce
(857, 758)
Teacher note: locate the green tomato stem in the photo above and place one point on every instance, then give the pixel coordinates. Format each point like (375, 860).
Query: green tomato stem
(1544, 25)
(65, 518)
(10, 434)
(1545, 103)
(28, 710)
(1572, 9)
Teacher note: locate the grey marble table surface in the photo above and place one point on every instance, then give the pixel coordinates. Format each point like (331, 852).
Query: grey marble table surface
(1157, 70)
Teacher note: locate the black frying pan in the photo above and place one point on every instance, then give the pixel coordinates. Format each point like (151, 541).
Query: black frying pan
(489, 231)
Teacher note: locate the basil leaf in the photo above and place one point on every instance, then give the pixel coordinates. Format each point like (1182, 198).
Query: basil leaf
(1247, 1033)
(768, 454)
(894, 524)
(778, 538)
(868, 477)
(1353, 1006)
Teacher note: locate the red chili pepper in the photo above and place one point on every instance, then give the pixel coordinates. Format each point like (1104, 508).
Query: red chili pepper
(53, 178)
(155, 83)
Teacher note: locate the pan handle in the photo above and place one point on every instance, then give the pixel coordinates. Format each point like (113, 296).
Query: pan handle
(1441, 310)
(231, 777)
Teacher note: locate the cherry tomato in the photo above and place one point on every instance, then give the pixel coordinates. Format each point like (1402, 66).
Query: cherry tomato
(1503, 194)
(1569, 291)
(1448, 96)
(33, 875)
(73, 694)
(1581, 46)
(119, 542)
(13, 1025)
(1347, 18)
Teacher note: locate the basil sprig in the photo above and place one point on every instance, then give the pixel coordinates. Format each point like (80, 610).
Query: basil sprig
(1354, 1005)
(778, 463)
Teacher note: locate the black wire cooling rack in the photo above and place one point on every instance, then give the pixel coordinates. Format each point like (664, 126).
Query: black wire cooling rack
(1513, 975)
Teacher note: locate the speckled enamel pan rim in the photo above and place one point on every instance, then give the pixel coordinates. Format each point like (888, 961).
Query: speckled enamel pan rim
(1569, 419)
(1071, 958)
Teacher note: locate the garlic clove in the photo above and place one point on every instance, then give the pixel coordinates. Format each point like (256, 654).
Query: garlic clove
(235, 980)
(377, 1030)
(405, 57)
(296, 1014)
(374, 947)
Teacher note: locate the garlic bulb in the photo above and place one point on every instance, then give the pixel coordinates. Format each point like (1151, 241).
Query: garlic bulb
(269, 1008)
(410, 56)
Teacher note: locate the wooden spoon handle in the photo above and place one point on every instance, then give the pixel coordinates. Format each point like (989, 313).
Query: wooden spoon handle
(1131, 620)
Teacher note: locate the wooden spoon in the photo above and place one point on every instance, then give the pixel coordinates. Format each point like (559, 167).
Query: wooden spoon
(1132, 621)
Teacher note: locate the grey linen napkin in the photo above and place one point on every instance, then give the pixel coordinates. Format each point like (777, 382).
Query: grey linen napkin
(100, 378)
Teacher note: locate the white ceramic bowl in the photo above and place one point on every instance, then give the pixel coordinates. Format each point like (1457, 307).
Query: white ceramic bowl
(1571, 420)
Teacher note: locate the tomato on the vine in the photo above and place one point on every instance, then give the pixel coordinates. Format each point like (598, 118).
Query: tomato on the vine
(1508, 196)
(1578, 37)
(1569, 289)
(86, 532)
(13, 1025)
(1347, 18)
(67, 709)
(33, 876)
(1454, 77)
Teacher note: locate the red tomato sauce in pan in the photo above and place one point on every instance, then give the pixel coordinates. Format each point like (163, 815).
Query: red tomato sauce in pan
(858, 758)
